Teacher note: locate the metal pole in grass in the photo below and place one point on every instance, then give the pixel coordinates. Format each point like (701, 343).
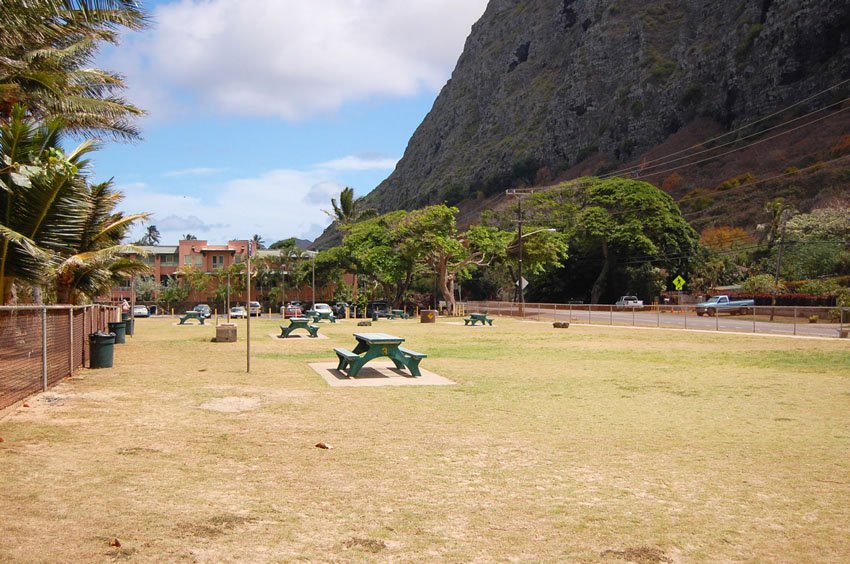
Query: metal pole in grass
(248, 317)
(795, 320)
(44, 348)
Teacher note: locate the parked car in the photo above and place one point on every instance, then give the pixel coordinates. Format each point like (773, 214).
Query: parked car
(238, 312)
(203, 309)
(628, 302)
(291, 310)
(255, 309)
(140, 310)
(340, 310)
(322, 308)
(381, 308)
(722, 304)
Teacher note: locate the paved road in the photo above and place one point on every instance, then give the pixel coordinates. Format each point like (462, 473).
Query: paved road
(730, 323)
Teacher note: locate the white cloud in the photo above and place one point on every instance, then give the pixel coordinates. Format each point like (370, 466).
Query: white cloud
(291, 58)
(276, 204)
(354, 162)
(198, 171)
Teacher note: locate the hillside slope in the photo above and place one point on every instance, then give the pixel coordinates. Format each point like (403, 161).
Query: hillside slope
(552, 89)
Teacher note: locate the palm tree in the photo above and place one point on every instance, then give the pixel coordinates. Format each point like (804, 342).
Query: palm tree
(151, 236)
(189, 237)
(347, 212)
(258, 242)
(43, 208)
(46, 53)
(98, 259)
(55, 228)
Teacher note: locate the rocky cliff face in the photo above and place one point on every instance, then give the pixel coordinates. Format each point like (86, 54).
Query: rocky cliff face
(545, 85)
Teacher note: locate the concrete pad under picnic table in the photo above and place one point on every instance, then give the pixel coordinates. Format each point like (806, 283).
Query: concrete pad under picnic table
(294, 336)
(377, 373)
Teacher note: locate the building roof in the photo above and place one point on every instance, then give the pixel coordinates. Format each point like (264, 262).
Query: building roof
(159, 249)
(217, 248)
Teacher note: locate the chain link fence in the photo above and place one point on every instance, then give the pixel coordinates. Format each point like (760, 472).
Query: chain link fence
(41, 345)
(770, 320)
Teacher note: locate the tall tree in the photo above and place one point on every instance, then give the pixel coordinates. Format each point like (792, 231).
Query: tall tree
(189, 237)
(46, 53)
(97, 259)
(348, 210)
(151, 236)
(630, 221)
(41, 199)
(258, 242)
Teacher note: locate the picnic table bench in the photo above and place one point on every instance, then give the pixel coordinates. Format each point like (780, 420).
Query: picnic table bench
(192, 315)
(398, 314)
(317, 316)
(374, 345)
(476, 317)
(298, 323)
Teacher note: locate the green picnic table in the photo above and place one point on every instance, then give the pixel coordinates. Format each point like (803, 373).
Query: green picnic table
(192, 315)
(374, 345)
(317, 316)
(298, 323)
(398, 314)
(477, 317)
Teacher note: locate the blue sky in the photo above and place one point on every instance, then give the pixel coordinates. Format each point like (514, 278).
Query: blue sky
(261, 111)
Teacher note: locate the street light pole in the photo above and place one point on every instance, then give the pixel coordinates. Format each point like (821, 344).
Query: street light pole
(521, 288)
(314, 279)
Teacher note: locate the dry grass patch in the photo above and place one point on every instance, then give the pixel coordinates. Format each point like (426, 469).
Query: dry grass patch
(590, 444)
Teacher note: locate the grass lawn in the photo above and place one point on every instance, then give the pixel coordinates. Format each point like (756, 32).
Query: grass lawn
(586, 444)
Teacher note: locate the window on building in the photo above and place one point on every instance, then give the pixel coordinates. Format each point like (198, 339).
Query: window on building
(187, 259)
(199, 260)
(218, 261)
(168, 260)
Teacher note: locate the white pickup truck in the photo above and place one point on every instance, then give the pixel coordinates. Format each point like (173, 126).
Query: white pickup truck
(628, 302)
(722, 304)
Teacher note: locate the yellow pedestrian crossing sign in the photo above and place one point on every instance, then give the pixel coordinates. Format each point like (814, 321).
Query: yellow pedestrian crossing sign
(679, 283)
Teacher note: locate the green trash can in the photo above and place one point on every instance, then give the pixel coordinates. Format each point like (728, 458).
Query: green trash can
(119, 328)
(101, 346)
(125, 316)
(129, 323)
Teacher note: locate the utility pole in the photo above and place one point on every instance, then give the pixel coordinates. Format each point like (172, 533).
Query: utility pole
(519, 193)
(783, 219)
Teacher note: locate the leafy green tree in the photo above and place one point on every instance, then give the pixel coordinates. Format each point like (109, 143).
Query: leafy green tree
(432, 233)
(174, 292)
(148, 289)
(817, 244)
(46, 53)
(762, 284)
(630, 221)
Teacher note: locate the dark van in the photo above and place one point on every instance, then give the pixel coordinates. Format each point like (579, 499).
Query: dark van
(381, 308)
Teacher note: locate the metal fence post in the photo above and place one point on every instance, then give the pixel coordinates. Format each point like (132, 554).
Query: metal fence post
(44, 348)
(71, 338)
(795, 320)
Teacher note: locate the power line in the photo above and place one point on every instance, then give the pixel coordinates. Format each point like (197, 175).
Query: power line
(743, 127)
(641, 168)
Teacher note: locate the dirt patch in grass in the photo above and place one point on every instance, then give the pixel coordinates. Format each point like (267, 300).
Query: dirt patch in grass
(369, 545)
(232, 404)
(641, 554)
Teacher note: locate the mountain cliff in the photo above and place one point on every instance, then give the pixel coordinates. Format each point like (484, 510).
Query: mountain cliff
(551, 89)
